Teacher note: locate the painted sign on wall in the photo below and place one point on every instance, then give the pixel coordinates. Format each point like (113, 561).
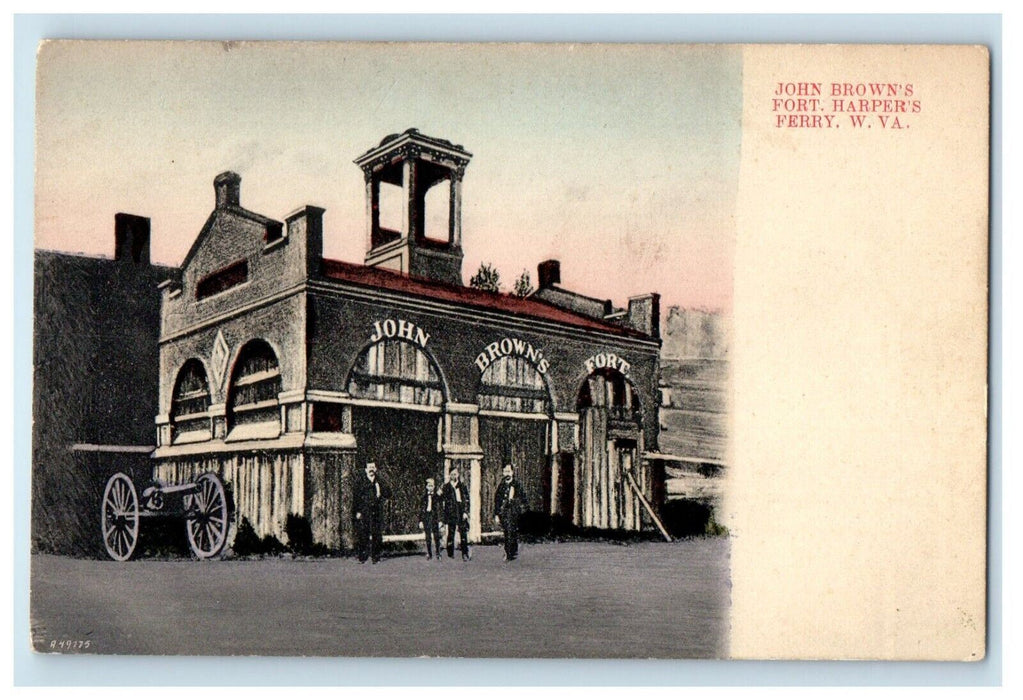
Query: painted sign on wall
(399, 328)
(607, 360)
(512, 346)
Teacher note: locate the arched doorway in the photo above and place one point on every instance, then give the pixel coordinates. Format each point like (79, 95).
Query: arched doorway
(610, 443)
(397, 394)
(514, 428)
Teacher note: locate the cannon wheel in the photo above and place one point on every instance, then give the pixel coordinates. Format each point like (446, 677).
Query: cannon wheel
(208, 517)
(120, 517)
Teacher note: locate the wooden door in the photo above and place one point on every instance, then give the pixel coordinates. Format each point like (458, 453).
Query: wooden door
(403, 444)
(523, 443)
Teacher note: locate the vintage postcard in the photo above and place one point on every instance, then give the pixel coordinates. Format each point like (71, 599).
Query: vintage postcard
(510, 350)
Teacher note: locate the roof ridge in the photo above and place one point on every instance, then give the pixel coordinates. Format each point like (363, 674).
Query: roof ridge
(418, 278)
(499, 301)
(249, 214)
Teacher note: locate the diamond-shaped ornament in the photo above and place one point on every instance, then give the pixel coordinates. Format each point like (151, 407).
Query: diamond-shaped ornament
(218, 360)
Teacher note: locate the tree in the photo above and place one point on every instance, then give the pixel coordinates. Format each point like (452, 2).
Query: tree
(486, 278)
(523, 285)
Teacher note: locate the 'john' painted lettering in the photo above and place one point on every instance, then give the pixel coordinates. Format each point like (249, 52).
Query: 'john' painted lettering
(512, 346)
(608, 360)
(399, 328)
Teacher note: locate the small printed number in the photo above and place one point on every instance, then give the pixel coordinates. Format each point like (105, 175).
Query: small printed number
(70, 644)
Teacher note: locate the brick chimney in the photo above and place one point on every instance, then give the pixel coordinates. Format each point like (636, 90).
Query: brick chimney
(227, 185)
(307, 224)
(645, 314)
(131, 238)
(548, 274)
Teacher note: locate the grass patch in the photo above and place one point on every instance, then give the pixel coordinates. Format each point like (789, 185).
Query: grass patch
(540, 527)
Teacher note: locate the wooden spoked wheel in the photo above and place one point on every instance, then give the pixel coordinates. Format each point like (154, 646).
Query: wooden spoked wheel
(207, 517)
(120, 514)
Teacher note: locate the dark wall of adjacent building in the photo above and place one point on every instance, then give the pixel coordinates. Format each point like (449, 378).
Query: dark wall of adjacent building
(95, 382)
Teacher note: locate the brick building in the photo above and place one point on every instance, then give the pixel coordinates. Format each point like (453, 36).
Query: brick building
(95, 352)
(286, 372)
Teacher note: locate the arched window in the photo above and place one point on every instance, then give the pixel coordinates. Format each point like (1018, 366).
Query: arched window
(253, 410)
(396, 371)
(608, 388)
(512, 384)
(190, 404)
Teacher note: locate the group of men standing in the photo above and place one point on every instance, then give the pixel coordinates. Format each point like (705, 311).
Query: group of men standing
(447, 506)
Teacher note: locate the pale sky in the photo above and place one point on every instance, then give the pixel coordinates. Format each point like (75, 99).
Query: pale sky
(620, 160)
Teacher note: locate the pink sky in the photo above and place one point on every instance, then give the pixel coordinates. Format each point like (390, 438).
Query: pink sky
(621, 161)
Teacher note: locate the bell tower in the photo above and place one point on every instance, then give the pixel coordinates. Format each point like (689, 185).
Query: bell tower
(415, 243)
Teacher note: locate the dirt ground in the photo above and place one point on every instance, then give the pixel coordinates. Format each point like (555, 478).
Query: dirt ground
(590, 599)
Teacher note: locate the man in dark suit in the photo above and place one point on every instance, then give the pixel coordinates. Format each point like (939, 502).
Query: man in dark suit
(456, 513)
(429, 518)
(369, 495)
(509, 502)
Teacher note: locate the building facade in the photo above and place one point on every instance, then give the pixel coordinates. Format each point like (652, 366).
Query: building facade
(286, 372)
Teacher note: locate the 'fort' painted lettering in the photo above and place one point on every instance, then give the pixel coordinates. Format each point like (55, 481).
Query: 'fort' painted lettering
(608, 360)
(399, 328)
(512, 346)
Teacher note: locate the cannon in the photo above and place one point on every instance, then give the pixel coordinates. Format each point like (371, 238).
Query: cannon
(203, 505)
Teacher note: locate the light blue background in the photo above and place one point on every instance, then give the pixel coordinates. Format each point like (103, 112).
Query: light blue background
(35, 669)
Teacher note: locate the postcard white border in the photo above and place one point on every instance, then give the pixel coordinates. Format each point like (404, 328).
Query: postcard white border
(33, 669)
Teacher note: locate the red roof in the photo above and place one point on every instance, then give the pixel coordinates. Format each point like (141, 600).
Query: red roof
(467, 296)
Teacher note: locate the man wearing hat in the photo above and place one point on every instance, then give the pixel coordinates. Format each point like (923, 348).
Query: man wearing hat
(369, 495)
(456, 513)
(509, 502)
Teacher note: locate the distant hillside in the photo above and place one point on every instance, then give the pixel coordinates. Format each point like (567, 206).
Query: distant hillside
(692, 333)
(694, 387)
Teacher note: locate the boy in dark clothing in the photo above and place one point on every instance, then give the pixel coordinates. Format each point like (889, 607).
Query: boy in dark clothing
(429, 518)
